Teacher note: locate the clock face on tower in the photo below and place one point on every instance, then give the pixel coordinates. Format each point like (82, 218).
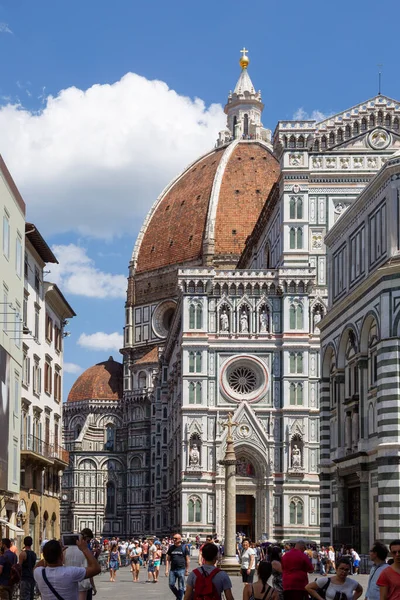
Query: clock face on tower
(379, 139)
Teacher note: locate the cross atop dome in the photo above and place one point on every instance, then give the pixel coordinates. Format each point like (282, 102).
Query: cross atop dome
(244, 108)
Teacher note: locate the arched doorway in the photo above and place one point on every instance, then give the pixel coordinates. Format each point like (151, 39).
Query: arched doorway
(33, 514)
(251, 492)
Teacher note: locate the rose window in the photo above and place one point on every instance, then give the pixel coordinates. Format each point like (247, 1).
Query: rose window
(242, 380)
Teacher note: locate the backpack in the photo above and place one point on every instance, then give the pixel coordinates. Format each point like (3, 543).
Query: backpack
(15, 574)
(204, 589)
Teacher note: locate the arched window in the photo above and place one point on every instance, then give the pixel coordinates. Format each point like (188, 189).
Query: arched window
(340, 135)
(164, 482)
(364, 124)
(142, 379)
(292, 207)
(296, 512)
(299, 394)
(371, 419)
(194, 510)
(198, 362)
(300, 142)
(388, 120)
(192, 392)
(331, 138)
(158, 469)
(292, 315)
(199, 316)
(165, 461)
(192, 316)
(194, 362)
(323, 142)
(316, 145)
(396, 124)
(191, 362)
(198, 392)
(292, 142)
(299, 206)
(158, 449)
(299, 238)
(164, 435)
(292, 394)
(292, 238)
(78, 430)
(299, 319)
(110, 437)
(380, 118)
(110, 505)
(246, 124)
(234, 126)
(372, 121)
(356, 128)
(347, 132)
(165, 413)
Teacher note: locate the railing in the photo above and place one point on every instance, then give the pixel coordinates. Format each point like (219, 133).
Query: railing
(50, 451)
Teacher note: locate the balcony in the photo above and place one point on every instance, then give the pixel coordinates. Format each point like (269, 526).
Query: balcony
(40, 451)
(59, 455)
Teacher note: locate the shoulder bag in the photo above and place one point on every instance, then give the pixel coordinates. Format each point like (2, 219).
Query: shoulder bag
(51, 588)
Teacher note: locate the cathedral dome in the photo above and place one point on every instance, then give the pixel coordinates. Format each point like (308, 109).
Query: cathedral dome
(100, 382)
(206, 214)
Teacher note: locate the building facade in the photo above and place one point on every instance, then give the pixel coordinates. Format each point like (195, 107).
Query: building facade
(12, 246)
(43, 459)
(360, 480)
(227, 287)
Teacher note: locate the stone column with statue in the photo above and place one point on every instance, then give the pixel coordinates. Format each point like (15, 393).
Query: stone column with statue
(230, 563)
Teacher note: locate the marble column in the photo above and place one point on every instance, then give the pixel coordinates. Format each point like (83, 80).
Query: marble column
(230, 563)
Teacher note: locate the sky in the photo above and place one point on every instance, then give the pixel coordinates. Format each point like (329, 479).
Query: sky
(103, 103)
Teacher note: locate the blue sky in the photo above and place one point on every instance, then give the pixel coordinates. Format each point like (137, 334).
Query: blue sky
(102, 103)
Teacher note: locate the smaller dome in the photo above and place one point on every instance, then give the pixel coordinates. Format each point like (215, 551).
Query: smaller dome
(103, 381)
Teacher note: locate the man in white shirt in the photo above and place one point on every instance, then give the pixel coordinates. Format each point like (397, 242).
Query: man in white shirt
(123, 547)
(57, 582)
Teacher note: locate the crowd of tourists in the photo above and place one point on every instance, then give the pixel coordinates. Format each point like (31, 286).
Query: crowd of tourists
(67, 573)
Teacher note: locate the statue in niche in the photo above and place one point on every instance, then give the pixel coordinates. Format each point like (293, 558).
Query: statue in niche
(296, 456)
(194, 456)
(264, 321)
(224, 321)
(244, 322)
(317, 318)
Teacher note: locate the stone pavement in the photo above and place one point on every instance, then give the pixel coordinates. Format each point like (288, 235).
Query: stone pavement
(124, 588)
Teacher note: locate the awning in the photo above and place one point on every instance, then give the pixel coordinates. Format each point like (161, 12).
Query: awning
(11, 527)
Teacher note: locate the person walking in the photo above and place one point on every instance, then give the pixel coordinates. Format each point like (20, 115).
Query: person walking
(378, 555)
(145, 551)
(389, 579)
(247, 562)
(178, 562)
(221, 582)
(295, 568)
(157, 560)
(261, 590)
(27, 559)
(356, 561)
(339, 586)
(114, 561)
(7, 560)
(150, 563)
(134, 556)
(275, 556)
(164, 550)
(52, 576)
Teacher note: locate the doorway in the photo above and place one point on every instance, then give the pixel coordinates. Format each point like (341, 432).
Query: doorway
(245, 515)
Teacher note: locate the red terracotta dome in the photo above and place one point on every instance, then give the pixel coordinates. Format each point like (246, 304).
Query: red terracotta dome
(206, 214)
(103, 381)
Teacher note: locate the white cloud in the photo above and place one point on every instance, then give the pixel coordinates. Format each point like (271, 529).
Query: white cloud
(72, 368)
(101, 341)
(4, 28)
(77, 274)
(315, 115)
(94, 160)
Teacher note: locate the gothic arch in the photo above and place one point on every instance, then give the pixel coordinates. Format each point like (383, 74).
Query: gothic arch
(255, 456)
(328, 353)
(89, 462)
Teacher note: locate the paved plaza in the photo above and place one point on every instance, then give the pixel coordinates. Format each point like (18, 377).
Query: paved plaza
(124, 587)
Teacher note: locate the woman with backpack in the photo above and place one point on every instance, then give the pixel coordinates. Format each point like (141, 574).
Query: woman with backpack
(261, 590)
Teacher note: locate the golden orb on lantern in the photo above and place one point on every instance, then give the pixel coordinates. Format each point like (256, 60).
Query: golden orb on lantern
(244, 60)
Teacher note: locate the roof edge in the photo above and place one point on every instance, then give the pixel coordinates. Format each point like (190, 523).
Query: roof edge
(12, 185)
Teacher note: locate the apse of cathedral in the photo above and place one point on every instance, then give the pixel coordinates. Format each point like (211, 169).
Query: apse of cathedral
(227, 286)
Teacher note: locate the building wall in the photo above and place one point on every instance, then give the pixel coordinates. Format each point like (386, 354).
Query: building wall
(361, 378)
(12, 242)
